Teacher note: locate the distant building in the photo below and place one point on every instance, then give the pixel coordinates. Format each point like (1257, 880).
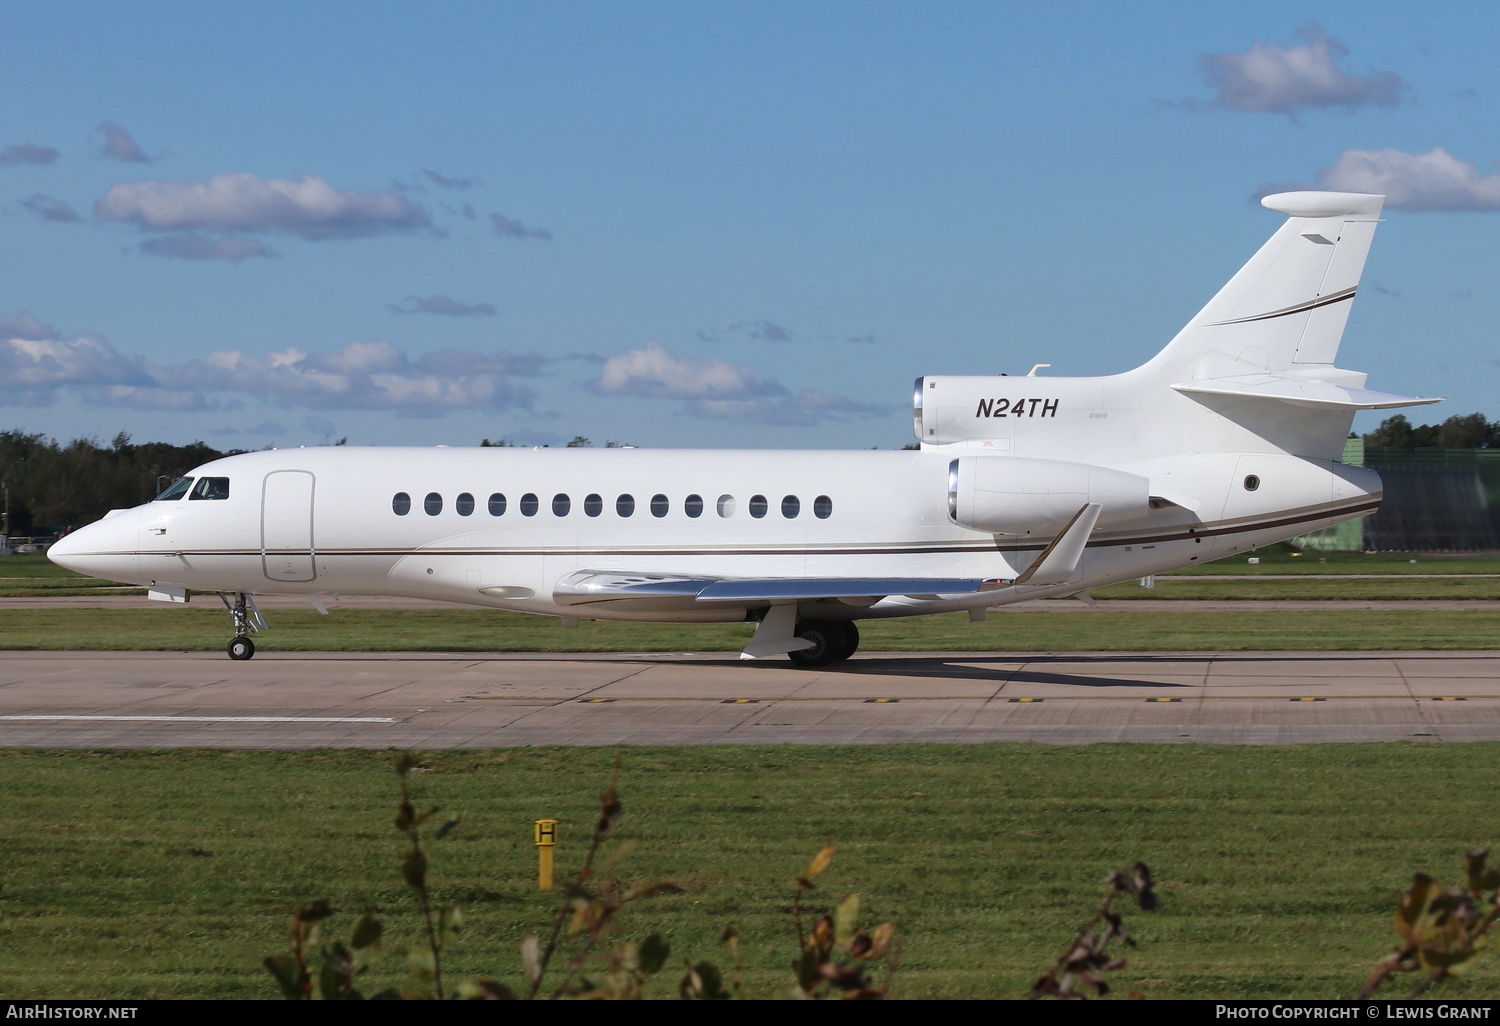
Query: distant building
(1436, 500)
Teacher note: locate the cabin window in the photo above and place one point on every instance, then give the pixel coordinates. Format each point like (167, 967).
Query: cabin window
(497, 505)
(693, 506)
(529, 504)
(433, 504)
(625, 505)
(401, 504)
(464, 504)
(561, 504)
(211, 488)
(593, 505)
(725, 506)
(176, 490)
(822, 507)
(791, 506)
(659, 505)
(1251, 483)
(758, 506)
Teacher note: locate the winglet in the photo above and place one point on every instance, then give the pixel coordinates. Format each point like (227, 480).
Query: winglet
(1058, 561)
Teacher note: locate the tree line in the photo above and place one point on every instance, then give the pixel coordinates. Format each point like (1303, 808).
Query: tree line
(50, 485)
(1463, 431)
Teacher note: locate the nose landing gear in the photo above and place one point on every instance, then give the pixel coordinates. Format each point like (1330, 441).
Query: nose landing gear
(247, 619)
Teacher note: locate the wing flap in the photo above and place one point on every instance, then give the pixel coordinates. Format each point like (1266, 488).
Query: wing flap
(616, 586)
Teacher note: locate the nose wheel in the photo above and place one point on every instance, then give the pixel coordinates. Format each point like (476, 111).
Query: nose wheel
(247, 619)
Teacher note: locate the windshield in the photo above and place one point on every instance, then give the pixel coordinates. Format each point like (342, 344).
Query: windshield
(211, 488)
(178, 490)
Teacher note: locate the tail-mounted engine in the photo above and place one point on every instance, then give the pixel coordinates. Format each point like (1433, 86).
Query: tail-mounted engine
(1032, 497)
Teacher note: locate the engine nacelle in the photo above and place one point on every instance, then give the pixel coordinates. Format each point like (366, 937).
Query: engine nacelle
(961, 409)
(1017, 495)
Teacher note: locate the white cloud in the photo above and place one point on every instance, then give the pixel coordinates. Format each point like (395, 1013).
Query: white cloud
(27, 153)
(465, 361)
(193, 246)
(146, 397)
(441, 305)
(508, 229)
(719, 390)
(656, 372)
(309, 207)
(50, 209)
(804, 409)
(450, 183)
(1272, 78)
(1435, 180)
(361, 375)
(33, 369)
(36, 363)
(118, 145)
(23, 324)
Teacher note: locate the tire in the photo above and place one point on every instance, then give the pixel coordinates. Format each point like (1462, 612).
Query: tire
(828, 641)
(850, 642)
(241, 648)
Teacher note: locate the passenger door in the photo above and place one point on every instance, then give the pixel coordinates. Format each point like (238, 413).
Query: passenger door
(286, 526)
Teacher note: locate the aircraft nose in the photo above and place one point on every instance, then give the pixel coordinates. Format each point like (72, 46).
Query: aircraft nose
(108, 549)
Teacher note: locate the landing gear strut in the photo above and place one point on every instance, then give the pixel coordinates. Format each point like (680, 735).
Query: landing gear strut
(833, 642)
(247, 619)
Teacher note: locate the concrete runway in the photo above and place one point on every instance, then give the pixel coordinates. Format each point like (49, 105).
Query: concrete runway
(427, 701)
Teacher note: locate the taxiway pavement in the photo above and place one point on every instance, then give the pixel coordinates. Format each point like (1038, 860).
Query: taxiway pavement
(430, 701)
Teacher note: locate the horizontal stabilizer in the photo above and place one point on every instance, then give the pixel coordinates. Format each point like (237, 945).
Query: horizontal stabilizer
(1303, 392)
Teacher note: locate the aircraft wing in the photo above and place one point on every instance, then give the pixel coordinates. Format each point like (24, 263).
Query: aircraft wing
(662, 591)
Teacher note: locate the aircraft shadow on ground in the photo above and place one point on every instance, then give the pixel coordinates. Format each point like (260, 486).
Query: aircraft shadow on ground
(947, 668)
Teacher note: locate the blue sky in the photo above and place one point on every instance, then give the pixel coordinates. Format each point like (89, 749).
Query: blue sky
(699, 224)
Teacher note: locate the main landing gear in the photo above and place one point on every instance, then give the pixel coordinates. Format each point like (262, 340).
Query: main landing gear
(247, 619)
(833, 642)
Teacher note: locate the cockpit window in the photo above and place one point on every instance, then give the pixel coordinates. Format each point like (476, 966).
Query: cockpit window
(178, 489)
(211, 488)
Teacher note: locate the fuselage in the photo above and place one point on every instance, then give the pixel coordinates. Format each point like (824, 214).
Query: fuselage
(509, 527)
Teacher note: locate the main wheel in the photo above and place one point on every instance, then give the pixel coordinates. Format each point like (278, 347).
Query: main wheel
(831, 642)
(850, 642)
(241, 648)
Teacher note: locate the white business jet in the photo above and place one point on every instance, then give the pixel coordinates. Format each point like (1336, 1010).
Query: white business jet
(1024, 487)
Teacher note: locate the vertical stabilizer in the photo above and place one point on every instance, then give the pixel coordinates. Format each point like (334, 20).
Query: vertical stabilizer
(1287, 307)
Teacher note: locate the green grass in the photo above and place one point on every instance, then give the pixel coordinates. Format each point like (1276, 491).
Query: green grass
(34, 575)
(1335, 587)
(1283, 559)
(203, 629)
(171, 874)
